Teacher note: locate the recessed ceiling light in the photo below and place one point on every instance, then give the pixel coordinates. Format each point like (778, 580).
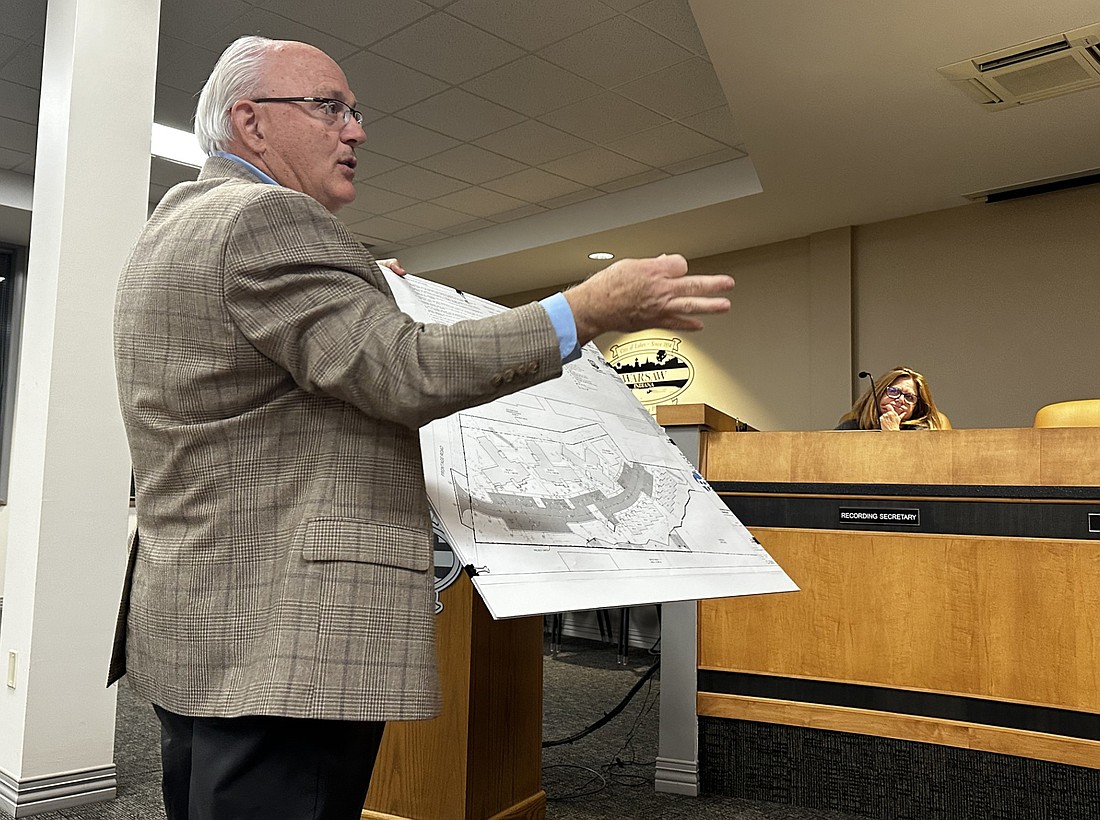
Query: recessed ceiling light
(177, 145)
(601, 255)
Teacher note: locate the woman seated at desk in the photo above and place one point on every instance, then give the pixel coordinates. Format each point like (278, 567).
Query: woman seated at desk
(899, 400)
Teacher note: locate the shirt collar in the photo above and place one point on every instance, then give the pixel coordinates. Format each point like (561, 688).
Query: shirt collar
(246, 164)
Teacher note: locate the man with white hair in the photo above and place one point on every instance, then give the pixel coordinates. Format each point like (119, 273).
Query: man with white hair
(278, 604)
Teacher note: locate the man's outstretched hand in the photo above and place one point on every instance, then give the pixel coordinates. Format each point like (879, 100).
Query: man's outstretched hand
(636, 294)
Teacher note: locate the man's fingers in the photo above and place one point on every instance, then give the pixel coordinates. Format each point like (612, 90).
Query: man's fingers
(691, 305)
(707, 285)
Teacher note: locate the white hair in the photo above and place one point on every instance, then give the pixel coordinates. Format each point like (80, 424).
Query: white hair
(236, 76)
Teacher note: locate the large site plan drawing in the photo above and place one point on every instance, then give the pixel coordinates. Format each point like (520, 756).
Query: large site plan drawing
(569, 496)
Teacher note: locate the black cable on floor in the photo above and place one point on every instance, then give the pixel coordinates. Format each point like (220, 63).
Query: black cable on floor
(610, 715)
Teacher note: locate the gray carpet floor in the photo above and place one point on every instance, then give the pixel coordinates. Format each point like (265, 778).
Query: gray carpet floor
(606, 774)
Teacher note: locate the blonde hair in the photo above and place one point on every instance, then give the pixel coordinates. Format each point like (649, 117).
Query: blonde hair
(925, 413)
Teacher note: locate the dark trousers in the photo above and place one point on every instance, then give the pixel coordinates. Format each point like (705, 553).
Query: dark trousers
(263, 767)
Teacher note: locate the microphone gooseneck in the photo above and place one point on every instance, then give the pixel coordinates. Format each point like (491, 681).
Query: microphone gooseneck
(863, 374)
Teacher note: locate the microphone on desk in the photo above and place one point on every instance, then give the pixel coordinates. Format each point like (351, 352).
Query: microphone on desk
(863, 374)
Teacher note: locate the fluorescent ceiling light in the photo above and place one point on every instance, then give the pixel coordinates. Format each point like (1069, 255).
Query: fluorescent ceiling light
(601, 255)
(177, 146)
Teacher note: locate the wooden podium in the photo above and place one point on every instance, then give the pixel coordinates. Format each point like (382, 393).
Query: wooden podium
(481, 758)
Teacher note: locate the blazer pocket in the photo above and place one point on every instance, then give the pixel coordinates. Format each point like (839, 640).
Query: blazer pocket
(366, 542)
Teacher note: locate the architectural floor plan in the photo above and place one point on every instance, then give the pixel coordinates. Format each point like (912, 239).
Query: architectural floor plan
(569, 496)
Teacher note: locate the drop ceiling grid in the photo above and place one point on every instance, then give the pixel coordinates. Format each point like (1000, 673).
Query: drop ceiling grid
(683, 86)
(531, 106)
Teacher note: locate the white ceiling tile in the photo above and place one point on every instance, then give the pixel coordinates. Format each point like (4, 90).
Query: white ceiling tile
(418, 182)
(425, 238)
(665, 145)
(472, 164)
(533, 185)
(479, 202)
(174, 108)
(372, 164)
(374, 200)
(369, 114)
(388, 86)
(393, 137)
(634, 181)
(674, 20)
(447, 48)
(532, 142)
(380, 249)
(678, 91)
(264, 23)
(518, 213)
(8, 48)
(25, 19)
(594, 167)
(9, 160)
(531, 24)
(194, 20)
(429, 215)
(615, 52)
(571, 199)
(603, 118)
(20, 102)
(386, 230)
(718, 124)
(156, 194)
(25, 67)
(17, 136)
(460, 114)
(532, 86)
(468, 227)
(705, 161)
(183, 66)
(25, 167)
(360, 23)
(623, 5)
(166, 173)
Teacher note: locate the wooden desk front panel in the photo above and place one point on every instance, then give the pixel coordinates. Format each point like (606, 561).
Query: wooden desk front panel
(1028, 457)
(950, 636)
(1008, 619)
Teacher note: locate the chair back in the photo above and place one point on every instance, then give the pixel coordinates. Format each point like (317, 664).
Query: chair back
(1083, 413)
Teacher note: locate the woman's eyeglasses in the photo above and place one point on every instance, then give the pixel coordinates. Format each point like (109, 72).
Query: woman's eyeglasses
(898, 393)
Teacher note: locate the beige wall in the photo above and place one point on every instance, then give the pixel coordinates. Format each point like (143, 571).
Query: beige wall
(995, 304)
(757, 362)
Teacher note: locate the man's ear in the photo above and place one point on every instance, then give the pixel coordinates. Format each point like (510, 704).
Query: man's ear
(244, 116)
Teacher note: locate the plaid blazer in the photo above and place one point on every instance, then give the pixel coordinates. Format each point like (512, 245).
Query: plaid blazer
(272, 392)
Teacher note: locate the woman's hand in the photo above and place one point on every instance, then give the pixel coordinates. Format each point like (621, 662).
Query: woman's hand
(890, 420)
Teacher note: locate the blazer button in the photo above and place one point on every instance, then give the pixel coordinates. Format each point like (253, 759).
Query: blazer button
(533, 367)
(497, 380)
(509, 374)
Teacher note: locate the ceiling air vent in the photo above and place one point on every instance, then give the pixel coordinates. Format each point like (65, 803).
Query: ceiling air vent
(1031, 71)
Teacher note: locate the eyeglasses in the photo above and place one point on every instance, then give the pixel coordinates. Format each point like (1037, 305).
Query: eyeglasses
(898, 393)
(336, 109)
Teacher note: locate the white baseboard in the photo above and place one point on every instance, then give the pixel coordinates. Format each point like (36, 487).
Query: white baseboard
(35, 795)
(676, 776)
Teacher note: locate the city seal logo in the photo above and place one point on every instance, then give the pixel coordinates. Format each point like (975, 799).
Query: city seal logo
(655, 368)
(447, 565)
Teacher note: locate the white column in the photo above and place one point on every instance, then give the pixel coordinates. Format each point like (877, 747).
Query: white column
(67, 515)
(677, 768)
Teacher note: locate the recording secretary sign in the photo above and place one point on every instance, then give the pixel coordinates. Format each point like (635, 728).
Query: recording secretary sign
(888, 516)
